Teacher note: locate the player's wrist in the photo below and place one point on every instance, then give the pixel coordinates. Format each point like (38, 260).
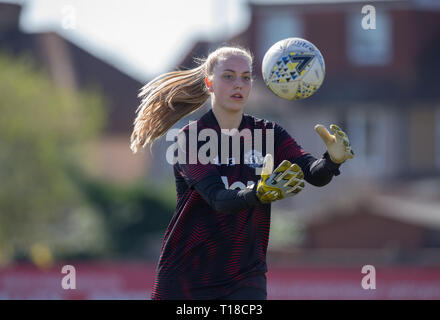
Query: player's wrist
(330, 164)
(251, 195)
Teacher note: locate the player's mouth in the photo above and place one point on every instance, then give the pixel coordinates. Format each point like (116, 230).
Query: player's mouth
(237, 97)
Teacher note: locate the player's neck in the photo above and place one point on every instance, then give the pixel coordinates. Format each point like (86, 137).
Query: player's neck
(227, 120)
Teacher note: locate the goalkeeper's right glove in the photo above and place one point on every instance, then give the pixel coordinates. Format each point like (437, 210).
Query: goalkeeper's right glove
(286, 181)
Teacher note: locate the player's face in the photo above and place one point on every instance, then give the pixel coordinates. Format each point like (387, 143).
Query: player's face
(231, 83)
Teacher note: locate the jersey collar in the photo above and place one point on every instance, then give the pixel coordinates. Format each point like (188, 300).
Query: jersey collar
(210, 119)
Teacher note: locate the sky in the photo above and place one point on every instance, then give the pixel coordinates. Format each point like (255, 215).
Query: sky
(140, 37)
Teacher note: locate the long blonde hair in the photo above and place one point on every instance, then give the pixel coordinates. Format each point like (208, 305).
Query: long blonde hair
(174, 95)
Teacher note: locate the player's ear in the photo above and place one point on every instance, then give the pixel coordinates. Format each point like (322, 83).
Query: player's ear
(208, 84)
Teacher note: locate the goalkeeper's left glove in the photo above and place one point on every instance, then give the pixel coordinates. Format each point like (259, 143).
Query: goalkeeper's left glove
(286, 181)
(338, 145)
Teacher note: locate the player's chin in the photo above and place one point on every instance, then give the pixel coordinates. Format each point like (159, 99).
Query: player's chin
(236, 105)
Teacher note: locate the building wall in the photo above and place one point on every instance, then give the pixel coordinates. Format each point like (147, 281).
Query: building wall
(422, 142)
(110, 158)
(364, 230)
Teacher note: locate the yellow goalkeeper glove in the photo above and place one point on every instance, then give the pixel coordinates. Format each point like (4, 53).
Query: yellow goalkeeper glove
(286, 181)
(338, 145)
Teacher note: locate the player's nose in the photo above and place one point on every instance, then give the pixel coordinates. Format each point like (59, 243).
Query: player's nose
(238, 83)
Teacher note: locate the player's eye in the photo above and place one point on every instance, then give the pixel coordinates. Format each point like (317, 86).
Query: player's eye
(247, 78)
(228, 76)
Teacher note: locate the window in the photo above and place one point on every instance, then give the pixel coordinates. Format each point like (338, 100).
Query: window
(368, 133)
(372, 46)
(276, 25)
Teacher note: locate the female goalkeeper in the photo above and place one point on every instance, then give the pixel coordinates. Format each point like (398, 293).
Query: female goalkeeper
(215, 244)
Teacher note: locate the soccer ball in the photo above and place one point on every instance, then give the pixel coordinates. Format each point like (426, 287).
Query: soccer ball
(293, 68)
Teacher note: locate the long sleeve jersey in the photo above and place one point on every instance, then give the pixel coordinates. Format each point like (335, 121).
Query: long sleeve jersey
(217, 238)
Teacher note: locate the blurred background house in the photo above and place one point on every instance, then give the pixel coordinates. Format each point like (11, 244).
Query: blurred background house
(73, 67)
(381, 87)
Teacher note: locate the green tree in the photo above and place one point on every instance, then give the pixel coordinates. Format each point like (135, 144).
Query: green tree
(43, 129)
(135, 216)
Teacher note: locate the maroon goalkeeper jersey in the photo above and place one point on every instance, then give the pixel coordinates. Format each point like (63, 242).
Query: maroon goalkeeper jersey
(207, 254)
